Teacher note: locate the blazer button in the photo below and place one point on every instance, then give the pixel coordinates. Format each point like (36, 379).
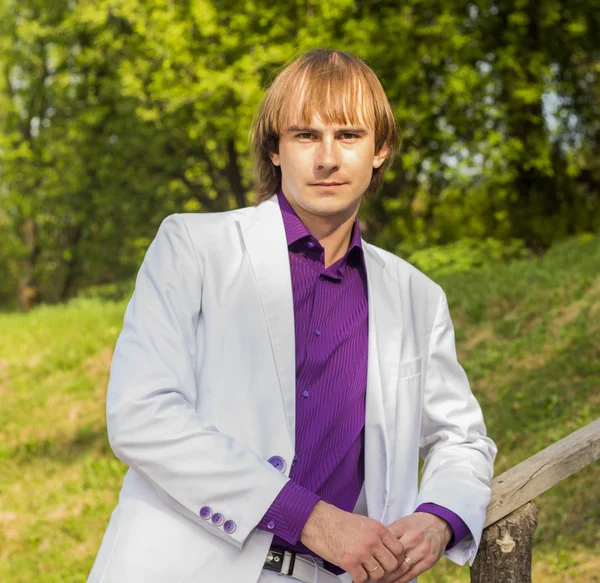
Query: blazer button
(229, 526)
(218, 519)
(278, 463)
(205, 512)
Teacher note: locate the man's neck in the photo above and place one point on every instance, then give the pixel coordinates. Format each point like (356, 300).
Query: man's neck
(333, 233)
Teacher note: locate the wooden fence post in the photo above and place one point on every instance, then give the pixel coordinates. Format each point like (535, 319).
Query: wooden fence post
(505, 552)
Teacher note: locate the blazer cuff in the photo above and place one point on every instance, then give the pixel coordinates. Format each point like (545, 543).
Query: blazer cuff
(459, 529)
(289, 512)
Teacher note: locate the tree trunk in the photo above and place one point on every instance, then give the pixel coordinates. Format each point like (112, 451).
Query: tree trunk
(72, 245)
(29, 292)
(505, 552)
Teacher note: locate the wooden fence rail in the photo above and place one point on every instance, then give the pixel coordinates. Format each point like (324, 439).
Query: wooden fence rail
(506, 546)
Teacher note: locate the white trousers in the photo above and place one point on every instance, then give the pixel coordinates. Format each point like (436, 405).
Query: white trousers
(311, 570)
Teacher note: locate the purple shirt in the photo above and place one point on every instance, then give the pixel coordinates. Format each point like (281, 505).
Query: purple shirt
(331, 333)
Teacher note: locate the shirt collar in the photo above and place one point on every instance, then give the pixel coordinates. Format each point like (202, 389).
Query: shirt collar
(295, 229)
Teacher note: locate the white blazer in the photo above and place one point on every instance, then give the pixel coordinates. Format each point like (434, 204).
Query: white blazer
(202, 394)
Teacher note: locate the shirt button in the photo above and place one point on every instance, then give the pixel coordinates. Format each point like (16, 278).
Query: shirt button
(205, 512)
(229, 526)
(310, 245)
(317, 332)
(305, 394)
(218, 519)
(271, 524)
(278, 463)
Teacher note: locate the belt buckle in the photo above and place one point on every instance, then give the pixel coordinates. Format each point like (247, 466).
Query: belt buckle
(281, 561)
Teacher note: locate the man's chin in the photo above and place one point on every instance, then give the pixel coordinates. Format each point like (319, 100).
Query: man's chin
(327, 208)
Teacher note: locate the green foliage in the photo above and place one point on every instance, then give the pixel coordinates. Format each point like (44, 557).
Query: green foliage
(465, 255)
(114, 115)
(109, 291)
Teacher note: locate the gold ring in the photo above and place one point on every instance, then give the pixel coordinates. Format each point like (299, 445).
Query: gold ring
(408, 561)
(373, 570)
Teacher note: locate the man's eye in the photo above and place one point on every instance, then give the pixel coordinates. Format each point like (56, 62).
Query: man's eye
(304, 136)
(349, 136)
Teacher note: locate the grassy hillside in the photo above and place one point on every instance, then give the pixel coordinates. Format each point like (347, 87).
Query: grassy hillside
(528, 334)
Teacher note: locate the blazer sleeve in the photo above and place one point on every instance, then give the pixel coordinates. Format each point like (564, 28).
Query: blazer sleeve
(150, 408)
(458, 455)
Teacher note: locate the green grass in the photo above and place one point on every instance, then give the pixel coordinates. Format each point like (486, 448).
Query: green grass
(528, 334)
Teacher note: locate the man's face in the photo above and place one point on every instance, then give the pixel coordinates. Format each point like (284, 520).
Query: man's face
(326, 168)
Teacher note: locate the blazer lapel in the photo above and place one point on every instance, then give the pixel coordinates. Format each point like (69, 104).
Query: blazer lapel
(266, 244)
(385, 325)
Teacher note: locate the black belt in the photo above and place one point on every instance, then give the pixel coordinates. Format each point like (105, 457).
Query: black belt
(280, 560)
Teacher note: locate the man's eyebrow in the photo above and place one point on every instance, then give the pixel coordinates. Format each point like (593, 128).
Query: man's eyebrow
(302, 129)
(349, 130)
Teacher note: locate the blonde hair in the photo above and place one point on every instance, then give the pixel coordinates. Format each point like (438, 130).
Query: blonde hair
(329, 83)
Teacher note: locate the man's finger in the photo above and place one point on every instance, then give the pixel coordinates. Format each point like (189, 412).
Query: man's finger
(387, 560)
(417, 566)
(398, 574)
(394, 545)
(359, 575)
(413, 559)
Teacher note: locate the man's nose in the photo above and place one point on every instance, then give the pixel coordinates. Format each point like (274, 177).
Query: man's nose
(327, 155)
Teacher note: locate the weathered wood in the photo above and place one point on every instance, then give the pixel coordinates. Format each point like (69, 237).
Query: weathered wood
(530, 478)
(505, 551)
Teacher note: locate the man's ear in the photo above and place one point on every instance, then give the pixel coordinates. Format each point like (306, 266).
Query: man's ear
(275, 158)
(380, 157)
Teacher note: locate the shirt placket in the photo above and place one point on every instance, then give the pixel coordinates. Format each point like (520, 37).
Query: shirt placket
(316, 333)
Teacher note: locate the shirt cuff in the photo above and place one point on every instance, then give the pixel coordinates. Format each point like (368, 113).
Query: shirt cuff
(459, 529)
(289, 512)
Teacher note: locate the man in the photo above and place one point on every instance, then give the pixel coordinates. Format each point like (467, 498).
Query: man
(277, 377)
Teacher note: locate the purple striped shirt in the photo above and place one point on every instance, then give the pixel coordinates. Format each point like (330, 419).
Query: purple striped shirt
(331, 333)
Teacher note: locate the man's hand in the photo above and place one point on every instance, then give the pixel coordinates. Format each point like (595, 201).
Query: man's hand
(425, 538)
(361, 546)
